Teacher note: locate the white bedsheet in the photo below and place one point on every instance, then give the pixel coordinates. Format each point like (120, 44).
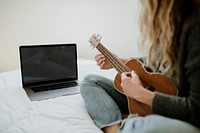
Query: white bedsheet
(66, 114)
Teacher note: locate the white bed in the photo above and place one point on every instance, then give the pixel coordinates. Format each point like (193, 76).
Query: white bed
(66, 114)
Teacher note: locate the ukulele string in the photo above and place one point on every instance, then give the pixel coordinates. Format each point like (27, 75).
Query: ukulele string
(120, 66)
(115, 61)
(110, 58)
(102, 50)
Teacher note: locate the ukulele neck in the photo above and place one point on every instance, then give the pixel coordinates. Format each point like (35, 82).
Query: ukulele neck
(117, 64)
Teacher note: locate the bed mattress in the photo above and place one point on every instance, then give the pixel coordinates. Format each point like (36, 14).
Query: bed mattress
(65, 114)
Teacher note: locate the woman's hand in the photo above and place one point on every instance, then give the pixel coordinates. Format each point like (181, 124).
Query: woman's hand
(133, 88)
(131, 84)
(103, 62)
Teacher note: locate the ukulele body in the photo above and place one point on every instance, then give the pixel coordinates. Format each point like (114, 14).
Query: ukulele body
(152, 81)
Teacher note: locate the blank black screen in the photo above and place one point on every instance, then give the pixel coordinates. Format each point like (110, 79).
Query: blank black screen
(48, 63)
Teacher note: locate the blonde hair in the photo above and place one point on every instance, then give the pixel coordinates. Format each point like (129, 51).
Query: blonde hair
(159, 23)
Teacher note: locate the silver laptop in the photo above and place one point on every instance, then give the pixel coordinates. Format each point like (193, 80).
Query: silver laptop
(49, 71)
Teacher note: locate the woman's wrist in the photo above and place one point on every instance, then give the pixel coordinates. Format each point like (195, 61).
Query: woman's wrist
(145, 96)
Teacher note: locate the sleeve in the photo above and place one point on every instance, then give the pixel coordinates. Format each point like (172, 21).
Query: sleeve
(185, 108)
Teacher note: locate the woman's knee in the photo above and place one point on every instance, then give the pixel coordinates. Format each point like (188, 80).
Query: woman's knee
(85, 83)
(87, 79)
(88, 83)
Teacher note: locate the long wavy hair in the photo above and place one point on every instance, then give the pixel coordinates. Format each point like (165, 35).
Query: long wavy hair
(160, 24)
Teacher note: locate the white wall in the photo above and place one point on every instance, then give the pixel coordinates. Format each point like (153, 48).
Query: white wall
(65, 21)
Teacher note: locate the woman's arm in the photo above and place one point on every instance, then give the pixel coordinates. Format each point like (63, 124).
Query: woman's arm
(186, 107)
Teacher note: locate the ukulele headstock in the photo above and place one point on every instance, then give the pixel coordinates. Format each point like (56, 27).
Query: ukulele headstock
(95, 40)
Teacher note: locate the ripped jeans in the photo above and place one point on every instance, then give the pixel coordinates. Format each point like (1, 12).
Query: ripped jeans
(106, 106)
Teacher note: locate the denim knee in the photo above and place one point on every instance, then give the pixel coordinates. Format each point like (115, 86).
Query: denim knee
(86, 83)
(101, 107)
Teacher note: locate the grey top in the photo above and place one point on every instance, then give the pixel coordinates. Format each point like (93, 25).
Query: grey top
(186, 107)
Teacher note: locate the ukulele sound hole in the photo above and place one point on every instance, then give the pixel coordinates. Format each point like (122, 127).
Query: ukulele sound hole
(151, 88)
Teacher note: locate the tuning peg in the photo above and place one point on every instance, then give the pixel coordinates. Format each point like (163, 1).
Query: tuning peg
(92, 46)
(99, 37)
(94, 35)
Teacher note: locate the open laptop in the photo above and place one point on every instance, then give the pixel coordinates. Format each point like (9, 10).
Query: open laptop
(49, 70)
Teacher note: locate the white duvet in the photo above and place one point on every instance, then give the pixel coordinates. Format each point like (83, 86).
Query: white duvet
(66, 114)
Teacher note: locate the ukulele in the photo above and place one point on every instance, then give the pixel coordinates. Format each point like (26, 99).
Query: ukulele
(151, 81)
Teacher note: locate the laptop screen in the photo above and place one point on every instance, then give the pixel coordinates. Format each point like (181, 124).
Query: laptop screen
(43, 64)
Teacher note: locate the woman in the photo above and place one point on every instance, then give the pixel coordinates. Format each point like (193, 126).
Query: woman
(171, 31)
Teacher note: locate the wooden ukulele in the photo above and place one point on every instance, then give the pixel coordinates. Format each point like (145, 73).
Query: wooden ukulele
(151, 81)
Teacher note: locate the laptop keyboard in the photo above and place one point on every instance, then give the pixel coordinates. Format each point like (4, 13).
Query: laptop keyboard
(54, 87)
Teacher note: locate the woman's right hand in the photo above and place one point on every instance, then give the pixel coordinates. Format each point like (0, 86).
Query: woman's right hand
(102, 62)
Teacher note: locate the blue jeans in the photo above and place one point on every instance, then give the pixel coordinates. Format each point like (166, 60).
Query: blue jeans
(106, 106)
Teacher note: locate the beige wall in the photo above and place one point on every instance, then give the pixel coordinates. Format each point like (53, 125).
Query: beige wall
(65, 21)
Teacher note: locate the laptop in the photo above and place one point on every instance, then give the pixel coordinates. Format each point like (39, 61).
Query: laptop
(49, 70)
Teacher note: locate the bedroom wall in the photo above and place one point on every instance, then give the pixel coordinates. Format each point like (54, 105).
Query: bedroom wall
(65, 21)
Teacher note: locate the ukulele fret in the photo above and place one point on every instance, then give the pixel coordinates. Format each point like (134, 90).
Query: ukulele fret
(117, 64)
